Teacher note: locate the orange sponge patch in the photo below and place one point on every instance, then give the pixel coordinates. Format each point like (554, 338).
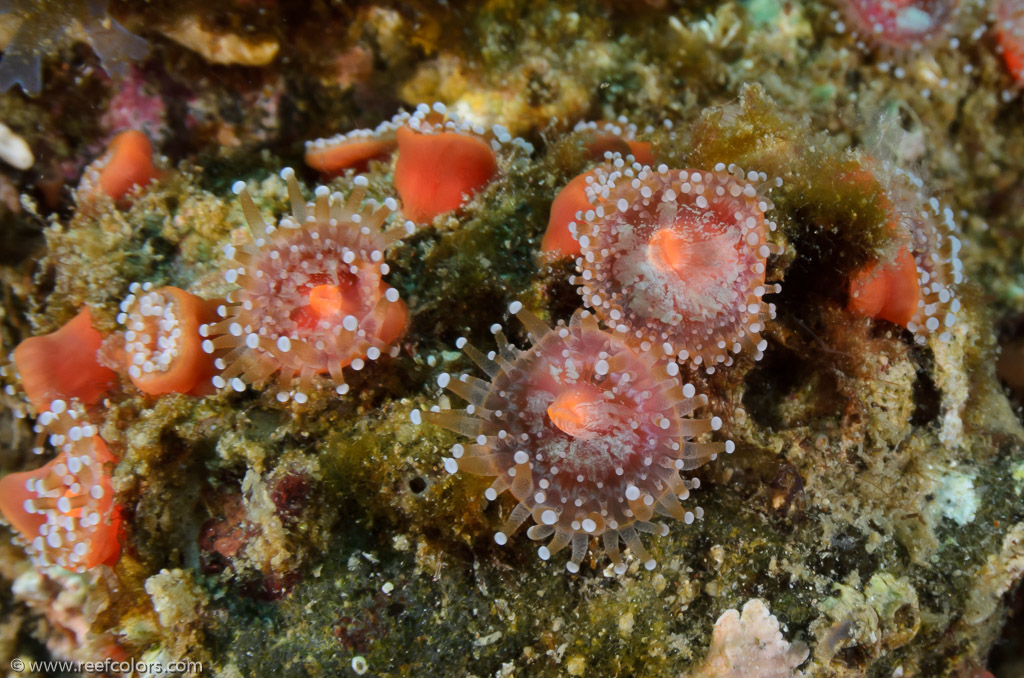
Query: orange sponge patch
(435, 173)
(63, 364)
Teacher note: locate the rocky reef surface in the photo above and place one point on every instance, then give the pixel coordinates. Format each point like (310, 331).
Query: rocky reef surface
(870, 520)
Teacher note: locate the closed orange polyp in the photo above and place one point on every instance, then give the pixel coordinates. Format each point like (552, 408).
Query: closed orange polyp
(608, 143)
(130, 164)
(435, 172)
(63, 364)
(334, 160)
(642, 152)
(106, 546)
(1009, 25)
(191, 370)
(13, 495)
(558, 240)
(904, 290)
(889, 292)
(103, 547)
(869, 289)
(1014, 59)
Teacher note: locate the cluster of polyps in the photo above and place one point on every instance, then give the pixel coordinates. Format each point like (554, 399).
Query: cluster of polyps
(312, 299)
(676, 259)
(442, 158)
(587, 432)
(65, 510)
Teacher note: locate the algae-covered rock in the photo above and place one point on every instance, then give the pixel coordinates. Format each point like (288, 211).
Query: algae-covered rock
(292, 521)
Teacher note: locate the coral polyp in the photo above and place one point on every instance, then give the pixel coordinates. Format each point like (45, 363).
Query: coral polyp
(1009, 24)
(677, 259)
(331, 156)
(162, 346)
(902, 24)
(125, 166)
(887, 291)
(312, 299)
(603, 141)
(65, 510)
(586, 432)
(64, 364)
(917, 288)
(442, 160)
(571, 201)
(618, 136)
